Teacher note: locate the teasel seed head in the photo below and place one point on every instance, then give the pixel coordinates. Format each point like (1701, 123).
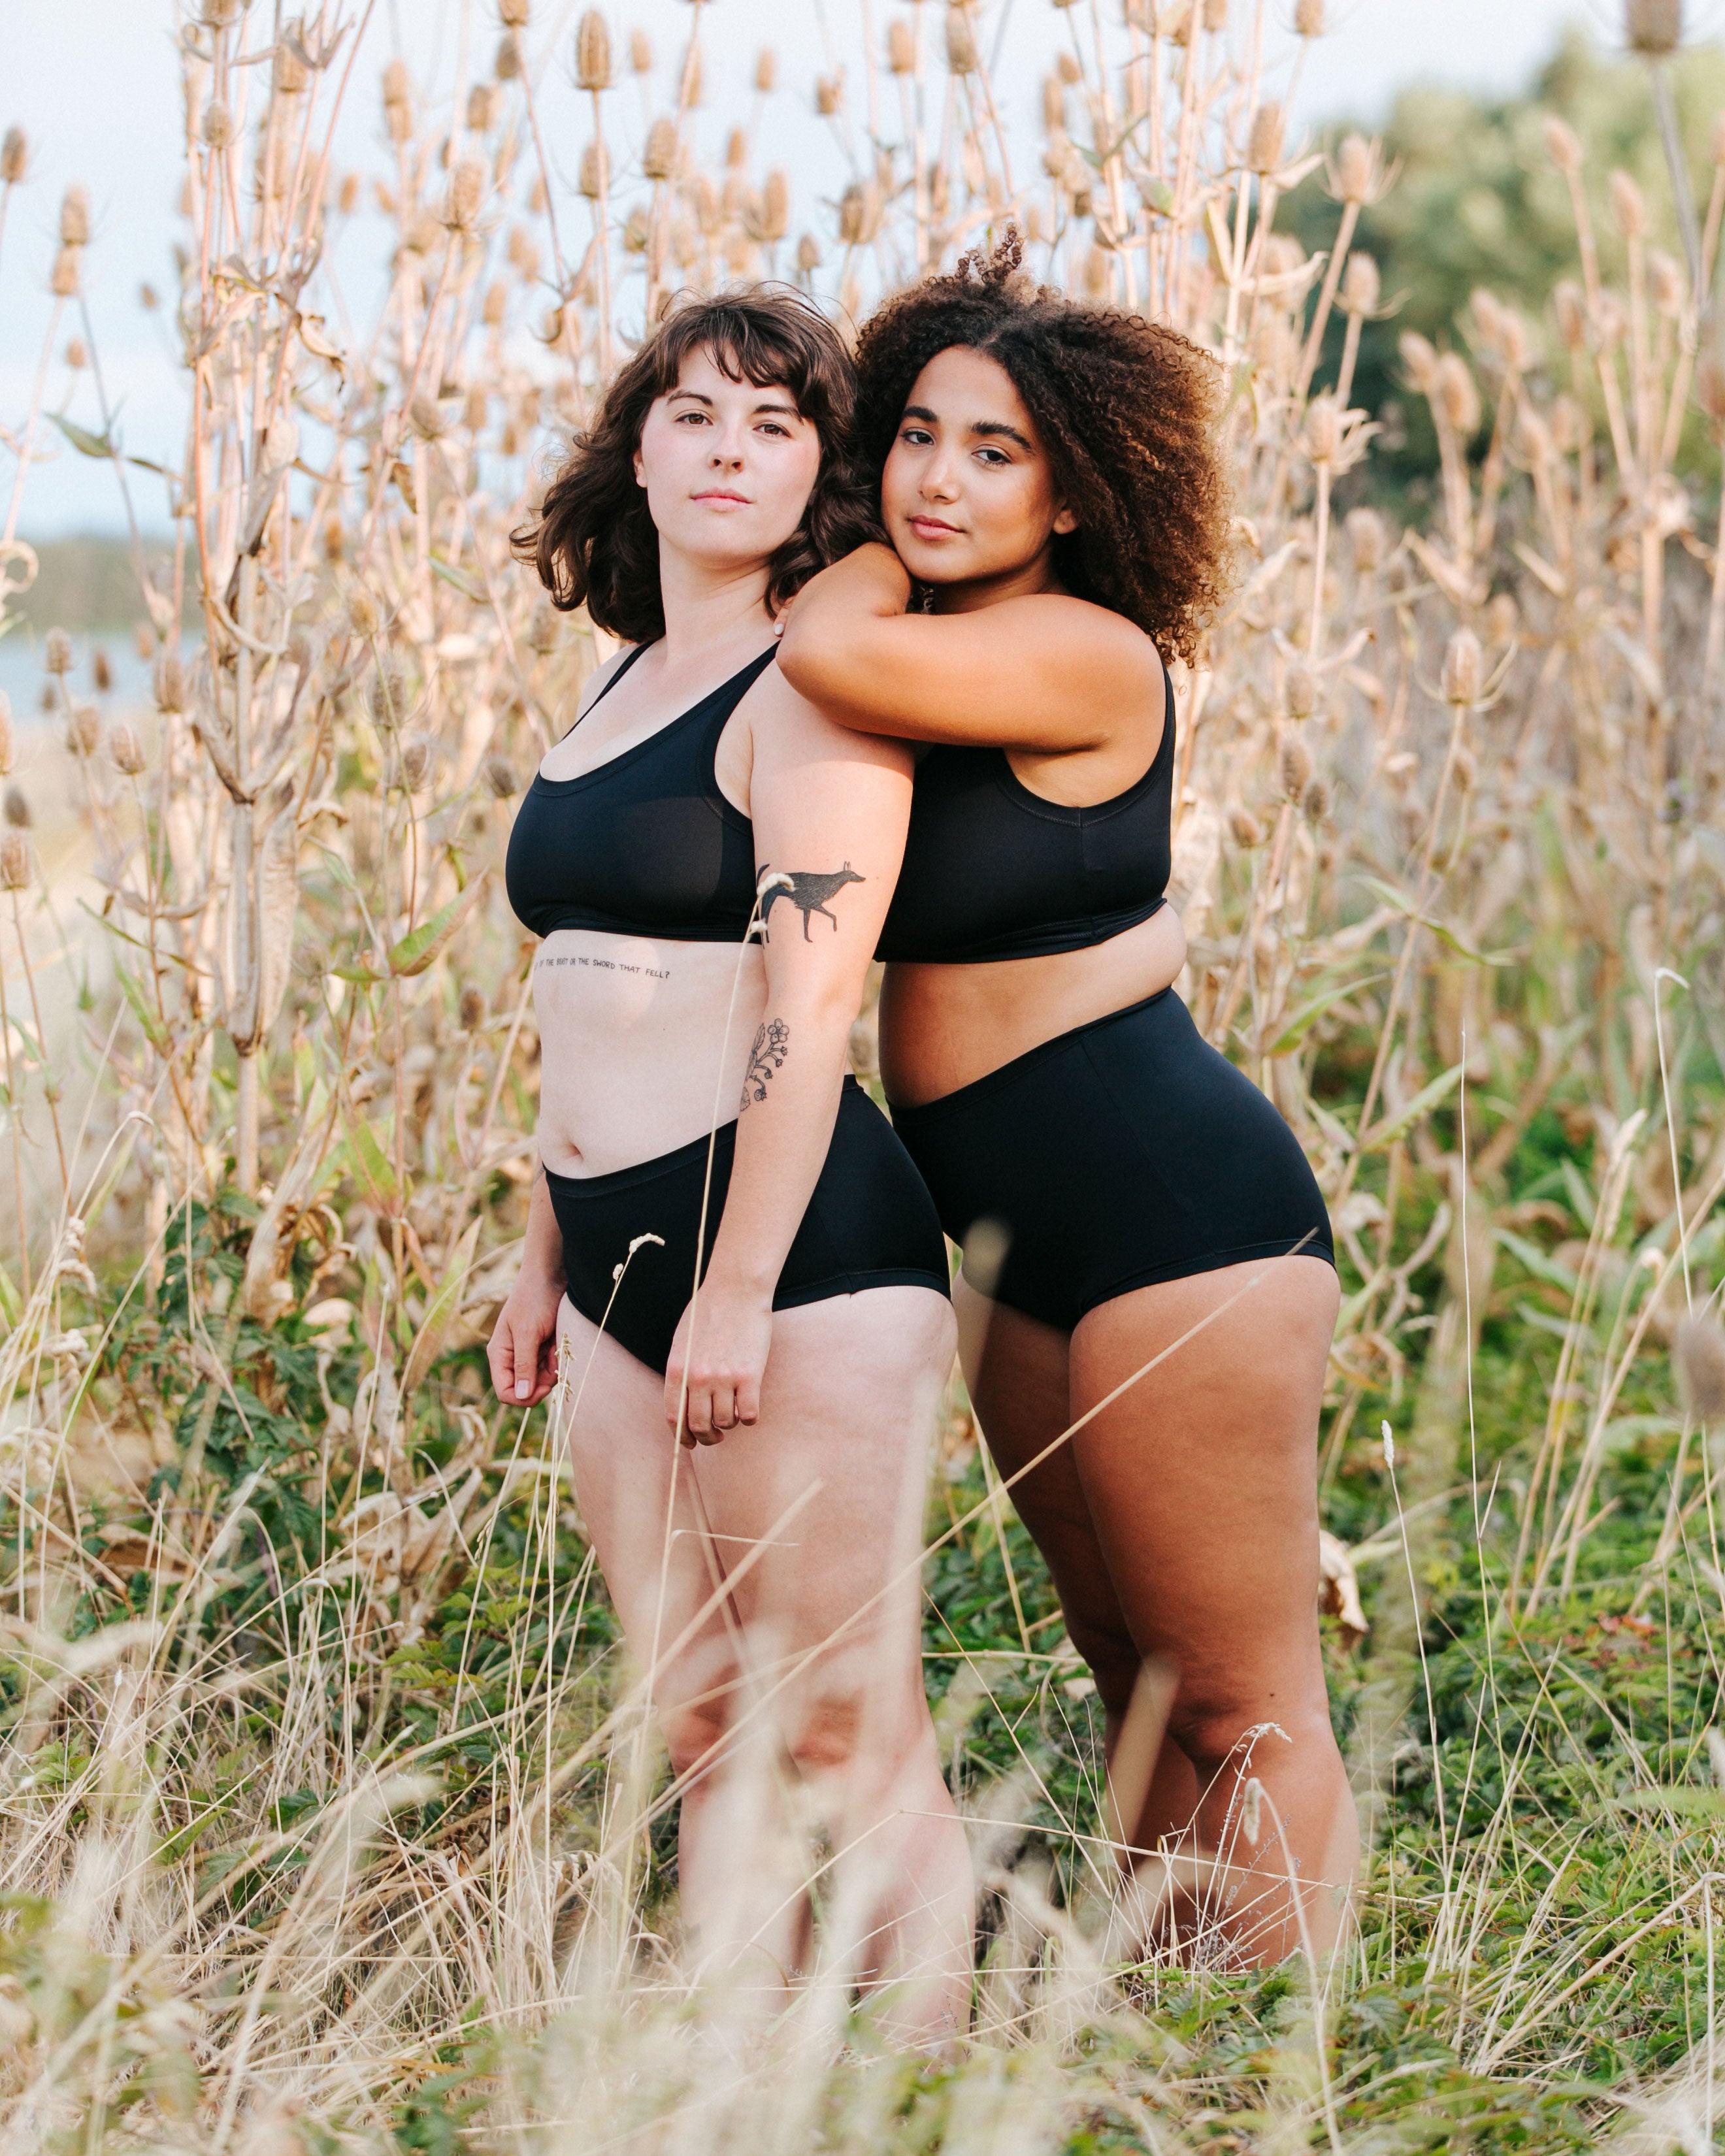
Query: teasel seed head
(595, 170)
(74, 218)
(1215, 16)
(1356, 169)
(222, 14)
(63, 278)
(1244, 827)
(1668, 283)
(1464, 668)
(961, 43)
(472, 1009)
(494, 305)
(1628, 205)
(1308, 18)
(14, 861)
(1264, 140)
(1324, 429)
(18, 809)
(592, 52)
(1698, 1359)
(776, 205)
(501, 778)
(766, 71)
(1368, 539)
(57, 652)
(467, 193)
(1458, 395)
(507, 65)
(828, 94)
(1654, 27)
(418, 762)
(1300, 691)
(126, 748)
(515, 14)
(171, 687)
(1361, 286)
(658, 159)
(288, 72)
(544, 629)
(901, 49)
(364, 615)
(1419, 357)
(101, 674)
(1316, 801)
(1562, 144)
(808, 253)
(84, 730)
(1502, 620)
(398, 101)
(427, 418)
(6, 737)
(14, 157)
(1570, 304)
(1294, 765)
(640, 52)
(482, 104)
(388, 698)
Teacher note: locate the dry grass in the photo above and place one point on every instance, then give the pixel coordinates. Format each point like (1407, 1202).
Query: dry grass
(325, 1822)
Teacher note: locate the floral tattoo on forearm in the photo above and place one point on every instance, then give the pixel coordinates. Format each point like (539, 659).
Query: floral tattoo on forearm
(772, 1044)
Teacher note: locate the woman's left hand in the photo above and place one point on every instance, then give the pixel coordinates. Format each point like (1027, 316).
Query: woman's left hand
(722, 1343)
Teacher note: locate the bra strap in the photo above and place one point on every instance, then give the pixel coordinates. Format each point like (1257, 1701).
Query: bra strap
(609, 685)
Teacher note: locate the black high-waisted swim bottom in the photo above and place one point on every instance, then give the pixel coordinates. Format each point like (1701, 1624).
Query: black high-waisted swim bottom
(869, 1224)
(1122, 1153)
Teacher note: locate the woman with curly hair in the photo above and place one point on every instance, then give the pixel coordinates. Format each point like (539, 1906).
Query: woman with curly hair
(1147, 1253)
(708, 861)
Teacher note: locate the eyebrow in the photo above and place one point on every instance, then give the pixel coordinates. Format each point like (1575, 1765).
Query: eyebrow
(983, 427)
(700, 397)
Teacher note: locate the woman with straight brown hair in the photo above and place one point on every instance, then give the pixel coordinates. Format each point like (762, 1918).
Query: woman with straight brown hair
(726, 1245)
(1058, 523)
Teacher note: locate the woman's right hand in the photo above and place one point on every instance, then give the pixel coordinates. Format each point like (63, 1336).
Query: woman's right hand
(522, 1351)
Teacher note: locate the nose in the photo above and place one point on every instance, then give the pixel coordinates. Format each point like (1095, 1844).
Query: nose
(936, 481)
(725, 451)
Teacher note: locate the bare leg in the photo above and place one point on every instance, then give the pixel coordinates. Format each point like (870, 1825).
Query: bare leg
(1182, 1524)
(798, 1702)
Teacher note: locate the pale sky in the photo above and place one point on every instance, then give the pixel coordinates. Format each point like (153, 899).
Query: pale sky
(95, 83)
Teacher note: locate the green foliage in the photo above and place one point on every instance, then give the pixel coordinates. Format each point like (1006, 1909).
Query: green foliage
(1477, 202)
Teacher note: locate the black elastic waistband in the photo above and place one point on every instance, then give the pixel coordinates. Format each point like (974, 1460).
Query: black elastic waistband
(1008, 1074)
(650, 1171)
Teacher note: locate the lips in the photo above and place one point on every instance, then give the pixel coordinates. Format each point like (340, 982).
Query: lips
(930, 528)
(718, 494)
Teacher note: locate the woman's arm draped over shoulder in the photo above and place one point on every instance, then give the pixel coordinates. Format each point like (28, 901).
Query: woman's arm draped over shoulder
(1046, 672)
(831, 810)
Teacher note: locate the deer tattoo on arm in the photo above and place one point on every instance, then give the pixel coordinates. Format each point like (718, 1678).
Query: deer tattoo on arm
(808, 891)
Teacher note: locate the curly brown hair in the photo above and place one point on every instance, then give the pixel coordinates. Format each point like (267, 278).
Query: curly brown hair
(594, 543)
(1126, 409)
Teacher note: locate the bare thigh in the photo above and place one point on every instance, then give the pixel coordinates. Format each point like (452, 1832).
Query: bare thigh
(809, 1522)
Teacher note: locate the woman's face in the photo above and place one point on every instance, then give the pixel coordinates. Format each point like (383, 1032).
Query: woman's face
(728, 466)
(968, 493)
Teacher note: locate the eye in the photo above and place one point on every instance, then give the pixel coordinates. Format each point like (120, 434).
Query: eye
(772, 427)
(918, 438)
(991, 457)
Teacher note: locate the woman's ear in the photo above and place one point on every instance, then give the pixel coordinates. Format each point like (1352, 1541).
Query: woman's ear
(1065, 521)
(640, 475)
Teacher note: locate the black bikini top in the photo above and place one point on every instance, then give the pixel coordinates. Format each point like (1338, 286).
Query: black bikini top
(992, 870)
(644, 844)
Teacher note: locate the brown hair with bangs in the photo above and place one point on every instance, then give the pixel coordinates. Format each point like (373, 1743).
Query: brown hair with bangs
(595, 545)
(1127, 410)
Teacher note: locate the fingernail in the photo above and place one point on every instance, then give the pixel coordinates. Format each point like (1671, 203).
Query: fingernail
(522, 1388)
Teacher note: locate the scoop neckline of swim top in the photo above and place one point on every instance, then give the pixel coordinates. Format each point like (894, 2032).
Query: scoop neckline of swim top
(625, 756)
